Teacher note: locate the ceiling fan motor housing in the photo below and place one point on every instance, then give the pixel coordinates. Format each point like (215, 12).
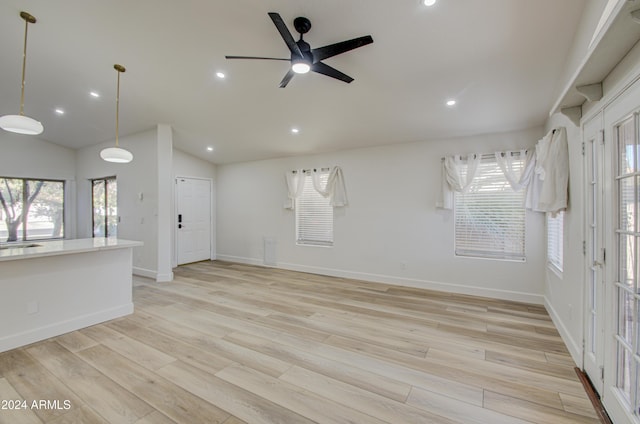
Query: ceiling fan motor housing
(302, 25)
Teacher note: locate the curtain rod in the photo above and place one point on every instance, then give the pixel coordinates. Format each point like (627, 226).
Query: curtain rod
(295, 171)
(491, 155)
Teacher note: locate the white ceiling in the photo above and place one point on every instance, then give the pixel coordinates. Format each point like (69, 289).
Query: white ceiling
(500, 59)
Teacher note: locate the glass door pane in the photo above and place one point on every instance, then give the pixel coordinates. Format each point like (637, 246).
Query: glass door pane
(99, 210)
(628, 239)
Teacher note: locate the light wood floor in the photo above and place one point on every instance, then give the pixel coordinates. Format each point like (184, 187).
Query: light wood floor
(229, 343)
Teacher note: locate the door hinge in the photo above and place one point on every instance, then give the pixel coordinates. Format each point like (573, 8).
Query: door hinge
(584, 247)
(604, 255)
(602, 373)
(583, 148)
(601, 136)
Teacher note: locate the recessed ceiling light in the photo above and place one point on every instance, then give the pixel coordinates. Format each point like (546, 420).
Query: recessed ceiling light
(295, 130)
(451, 103)
(59, 111)
(220, 75)
(94, 94)
(428, 2)
(209, 149)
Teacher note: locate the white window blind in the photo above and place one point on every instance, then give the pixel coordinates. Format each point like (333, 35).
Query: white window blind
(555, 235)
(314, 215)
(490, 216)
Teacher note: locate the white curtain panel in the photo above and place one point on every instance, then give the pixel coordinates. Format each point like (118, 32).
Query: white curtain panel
(335, 188)
(295, 185)
(552, 172)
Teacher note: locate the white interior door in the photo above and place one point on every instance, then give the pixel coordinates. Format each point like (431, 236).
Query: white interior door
(593, 361)
(193, 220)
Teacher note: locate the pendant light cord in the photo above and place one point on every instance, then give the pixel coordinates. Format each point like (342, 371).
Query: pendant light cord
(24, 64)
(118, 108)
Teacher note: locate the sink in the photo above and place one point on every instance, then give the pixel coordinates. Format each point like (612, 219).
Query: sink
(18, 246)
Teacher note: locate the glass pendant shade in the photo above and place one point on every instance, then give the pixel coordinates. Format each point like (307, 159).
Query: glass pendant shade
(116, 155)
(21, 124)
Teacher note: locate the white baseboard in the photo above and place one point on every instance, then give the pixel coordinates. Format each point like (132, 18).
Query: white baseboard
(154, 275)
(22, 339)
(144, 272)
(399, 281)
(575, 348)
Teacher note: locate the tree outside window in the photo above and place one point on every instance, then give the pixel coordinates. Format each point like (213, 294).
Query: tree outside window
(31, 209)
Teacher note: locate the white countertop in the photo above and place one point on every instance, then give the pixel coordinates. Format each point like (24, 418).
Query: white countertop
(63, 247)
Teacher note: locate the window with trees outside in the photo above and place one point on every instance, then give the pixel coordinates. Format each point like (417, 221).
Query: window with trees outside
(105, 207)
(490, 215)
(31, 209)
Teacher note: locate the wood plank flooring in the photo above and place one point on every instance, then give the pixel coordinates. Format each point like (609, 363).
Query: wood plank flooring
(230, 343)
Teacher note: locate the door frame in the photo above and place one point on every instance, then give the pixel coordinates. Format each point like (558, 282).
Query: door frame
(593, 131)
(212, 228)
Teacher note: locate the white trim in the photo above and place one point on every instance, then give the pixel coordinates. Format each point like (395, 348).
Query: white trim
(575, 348)
(399, 281)
(21, 339)
(144, 272)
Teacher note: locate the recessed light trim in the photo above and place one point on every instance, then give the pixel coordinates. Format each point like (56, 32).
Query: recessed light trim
(295, 130)
(59, 111)
(209, 149)
(221, 75)
(94, 94)
(429, 2)
(451, 103)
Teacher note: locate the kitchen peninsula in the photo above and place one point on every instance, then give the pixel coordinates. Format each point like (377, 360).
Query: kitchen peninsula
(50, 288)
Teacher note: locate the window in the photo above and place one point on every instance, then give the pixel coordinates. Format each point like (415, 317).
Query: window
(31, 209)
(490, 216)
(314, 215)
(105, 207)
(555, 235)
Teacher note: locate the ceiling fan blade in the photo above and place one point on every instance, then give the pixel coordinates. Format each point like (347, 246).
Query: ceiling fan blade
(287, 78)
(325, 52)
(256, 57)
(285, 34)
(327, 70)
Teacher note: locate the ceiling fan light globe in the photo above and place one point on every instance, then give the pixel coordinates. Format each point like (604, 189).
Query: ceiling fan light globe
(21, 124)
(116, 155)
(300, 67)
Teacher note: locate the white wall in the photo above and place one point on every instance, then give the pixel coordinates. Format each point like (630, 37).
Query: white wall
(186, 165)
(138, 218)
(391, 220)
(24, 156)
(564, 293)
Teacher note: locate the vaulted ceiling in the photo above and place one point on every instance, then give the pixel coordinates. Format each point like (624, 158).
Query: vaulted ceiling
(501, 60)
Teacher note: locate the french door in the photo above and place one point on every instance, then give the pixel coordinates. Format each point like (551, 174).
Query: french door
(593, 361)
(622, 348)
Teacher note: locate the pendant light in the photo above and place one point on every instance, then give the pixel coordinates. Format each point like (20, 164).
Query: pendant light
(117, 154)
(22, 124)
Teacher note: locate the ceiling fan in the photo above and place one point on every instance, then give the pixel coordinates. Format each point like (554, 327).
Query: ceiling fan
(303, 57)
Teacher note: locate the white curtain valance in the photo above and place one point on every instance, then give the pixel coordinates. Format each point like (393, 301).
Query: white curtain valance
(452, 180)
(545, 174)
(295, 185)
(335, 189)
